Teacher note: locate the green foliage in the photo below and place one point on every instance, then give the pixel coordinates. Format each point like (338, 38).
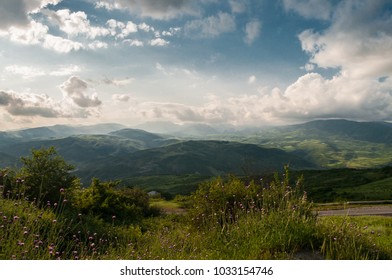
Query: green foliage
(224, 219)
(347, 184)
(106, 200)
(43, 177)
(219, 202)
(345, 238)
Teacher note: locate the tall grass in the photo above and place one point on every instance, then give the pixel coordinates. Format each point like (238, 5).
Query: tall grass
(226, 219)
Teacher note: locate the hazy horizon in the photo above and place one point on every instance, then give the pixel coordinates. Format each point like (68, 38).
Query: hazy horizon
(244, 63)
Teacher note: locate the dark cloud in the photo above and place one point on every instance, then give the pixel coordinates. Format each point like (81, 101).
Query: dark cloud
(16, 12)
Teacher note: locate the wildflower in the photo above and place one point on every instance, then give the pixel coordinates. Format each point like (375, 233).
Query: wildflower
(113, 217)
(62, 190)
(54, 221)
(16, 218)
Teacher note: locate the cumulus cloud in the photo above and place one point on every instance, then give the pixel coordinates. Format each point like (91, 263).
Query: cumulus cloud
(29, 104)
(311, 9)
(358, 42)
(310, 97)
(76, 89)
(16, 12)
(162, 10)
(252, 31)
(75, 23)
(36, 33)
(159, 42)
(210, 27)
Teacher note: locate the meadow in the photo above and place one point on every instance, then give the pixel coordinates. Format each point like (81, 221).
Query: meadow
(225, 218)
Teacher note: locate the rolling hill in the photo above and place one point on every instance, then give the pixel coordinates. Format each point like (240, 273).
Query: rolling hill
(206, 158)
(110, 151)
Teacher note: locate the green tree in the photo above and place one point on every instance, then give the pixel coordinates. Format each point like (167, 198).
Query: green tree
(46, 175)
(112, 203)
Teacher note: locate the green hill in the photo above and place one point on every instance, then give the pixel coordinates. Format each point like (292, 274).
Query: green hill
(143, 139)
(332, 143)
(203, 158)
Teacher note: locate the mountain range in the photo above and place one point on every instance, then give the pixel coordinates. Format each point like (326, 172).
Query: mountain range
(113, 151)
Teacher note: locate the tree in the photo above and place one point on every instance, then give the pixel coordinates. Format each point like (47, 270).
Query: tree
(46, 175)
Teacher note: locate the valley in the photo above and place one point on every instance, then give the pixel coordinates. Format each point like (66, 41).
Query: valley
(339, 159)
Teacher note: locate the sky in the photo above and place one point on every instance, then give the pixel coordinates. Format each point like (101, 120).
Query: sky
(227, 62)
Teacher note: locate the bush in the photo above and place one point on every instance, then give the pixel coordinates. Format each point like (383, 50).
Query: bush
(106, 200)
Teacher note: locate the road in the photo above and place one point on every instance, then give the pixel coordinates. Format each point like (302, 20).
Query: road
(379, 210)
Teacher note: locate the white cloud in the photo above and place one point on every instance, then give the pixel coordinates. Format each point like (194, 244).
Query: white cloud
(30, 72)
(37, 34)
(145, 27)
(65, 70)
(27, 72)
(159, 42)
(311, 9)
(358, 42)
(76, 89)
(308, 67)
(134, 43)
(162, 9)
(308, 98)
(172, 31)
(33, 34)
(252, 31)
(98, 45)
(252, 79)
(75, 23)
(29, 104)
(60, 44)
(129, 28)
(210, 27)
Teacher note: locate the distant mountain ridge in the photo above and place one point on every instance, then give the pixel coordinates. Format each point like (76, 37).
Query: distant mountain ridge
(378, 132)
(113, 151)
(59, 131)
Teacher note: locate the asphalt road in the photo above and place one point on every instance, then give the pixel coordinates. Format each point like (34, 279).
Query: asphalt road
(379, 210)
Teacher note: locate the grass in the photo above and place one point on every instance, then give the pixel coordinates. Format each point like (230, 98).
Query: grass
(227, 219)
(356, 237)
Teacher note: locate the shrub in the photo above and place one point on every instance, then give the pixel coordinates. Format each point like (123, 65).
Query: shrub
(111, 203)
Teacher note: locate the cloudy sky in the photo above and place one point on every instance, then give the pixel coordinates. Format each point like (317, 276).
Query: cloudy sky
(237, 62)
